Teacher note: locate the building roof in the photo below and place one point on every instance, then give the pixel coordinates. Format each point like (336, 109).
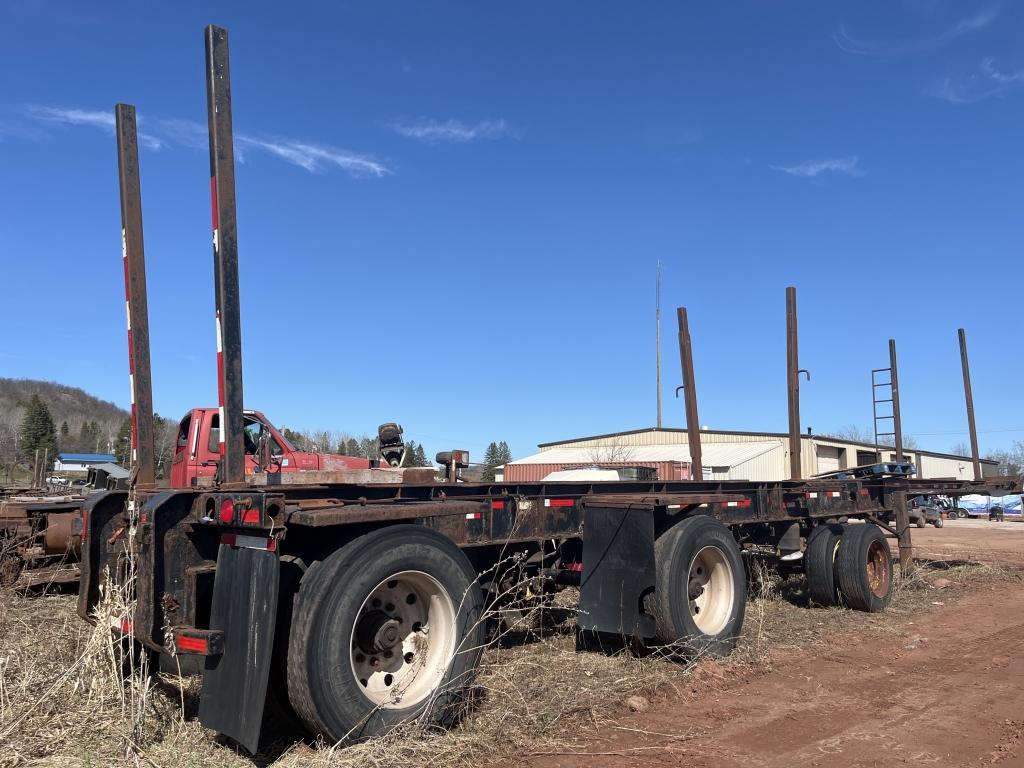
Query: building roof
(114, 470)
(90, 458)
(779, 435)
(712, 454)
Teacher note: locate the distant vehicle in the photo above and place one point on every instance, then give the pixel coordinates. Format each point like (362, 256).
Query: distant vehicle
(923, 510)
(56, 480)
(996, 508)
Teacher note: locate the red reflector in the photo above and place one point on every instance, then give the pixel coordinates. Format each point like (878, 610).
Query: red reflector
(559, 502)
(574, 567)
(85, 523)
(863, 491)
(498, 504)
(126, 626)
(191, 644)
(227, 512)
(250, 517)
(474, 515)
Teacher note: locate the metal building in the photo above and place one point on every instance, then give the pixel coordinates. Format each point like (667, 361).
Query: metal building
(730, 455)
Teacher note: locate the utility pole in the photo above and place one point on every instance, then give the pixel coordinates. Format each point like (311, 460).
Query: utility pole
(657, 331)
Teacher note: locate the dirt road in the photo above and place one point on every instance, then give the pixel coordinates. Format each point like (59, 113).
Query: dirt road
(945, 688)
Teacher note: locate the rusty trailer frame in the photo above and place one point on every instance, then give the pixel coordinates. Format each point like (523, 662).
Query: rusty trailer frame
(208, 566)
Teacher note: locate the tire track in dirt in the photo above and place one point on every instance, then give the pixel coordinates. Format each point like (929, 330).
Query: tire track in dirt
(947, 688)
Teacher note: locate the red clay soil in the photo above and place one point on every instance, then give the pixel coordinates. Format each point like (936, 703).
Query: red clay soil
(947, 689)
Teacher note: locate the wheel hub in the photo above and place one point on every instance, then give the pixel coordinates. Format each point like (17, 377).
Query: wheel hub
(377, 632)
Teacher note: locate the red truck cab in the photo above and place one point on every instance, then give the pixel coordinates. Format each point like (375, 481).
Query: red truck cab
(197, 449)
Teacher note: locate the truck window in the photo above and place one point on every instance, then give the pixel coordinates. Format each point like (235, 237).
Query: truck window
(251, 432)
(183, 431)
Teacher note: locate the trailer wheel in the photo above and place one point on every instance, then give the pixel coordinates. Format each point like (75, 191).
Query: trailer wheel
(920, 522)
(700, 596)
(820, 564)
(938, 523)
(385, 630)
(864, 565)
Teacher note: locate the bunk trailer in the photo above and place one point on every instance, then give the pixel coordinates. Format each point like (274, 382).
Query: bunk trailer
(353, 601)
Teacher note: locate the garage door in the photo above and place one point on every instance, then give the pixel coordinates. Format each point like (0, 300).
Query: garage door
(828, 459)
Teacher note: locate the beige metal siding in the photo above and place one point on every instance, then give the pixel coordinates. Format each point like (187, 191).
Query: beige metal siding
(939, 466)
(828, 458)
(771, 465)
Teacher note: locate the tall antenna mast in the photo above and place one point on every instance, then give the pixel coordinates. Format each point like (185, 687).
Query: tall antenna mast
(657, 331)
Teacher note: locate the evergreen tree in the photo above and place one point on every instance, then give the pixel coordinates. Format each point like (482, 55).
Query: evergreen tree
(415, 456)
(64, 429)
(421, 459)
(297, 439)
(504, 454)
(369, 447)
(490, 462)
(123, 443)
(37, 429)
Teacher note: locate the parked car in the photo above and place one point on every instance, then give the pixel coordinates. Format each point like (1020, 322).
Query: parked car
(923, 510)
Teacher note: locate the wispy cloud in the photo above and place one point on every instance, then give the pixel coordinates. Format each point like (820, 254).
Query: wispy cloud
(451, 131)
(851, 44)
(177, 132)
(313, 157)
(849, 166)
(104, 121)
(985, 83)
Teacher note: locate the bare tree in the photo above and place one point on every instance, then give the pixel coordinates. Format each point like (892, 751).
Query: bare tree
(611, 454)
(1011, 462)
(852, 432)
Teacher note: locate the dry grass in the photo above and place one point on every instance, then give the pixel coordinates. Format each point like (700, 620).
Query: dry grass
(69, 697)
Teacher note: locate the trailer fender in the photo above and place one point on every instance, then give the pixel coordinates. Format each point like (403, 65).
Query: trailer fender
(245, 593)
(618, 570)
(99, 519)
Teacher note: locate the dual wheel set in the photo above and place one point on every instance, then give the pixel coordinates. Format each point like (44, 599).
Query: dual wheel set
(849, 564)
(390, 628)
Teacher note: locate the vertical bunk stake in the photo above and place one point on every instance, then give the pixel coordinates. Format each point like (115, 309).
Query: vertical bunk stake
(133, 256)
(225, 256)
(690, 395)
(793, 385)
(969, 396)
(900, 497)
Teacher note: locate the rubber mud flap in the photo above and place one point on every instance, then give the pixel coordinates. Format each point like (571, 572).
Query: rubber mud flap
(245, 609)
(618, 570)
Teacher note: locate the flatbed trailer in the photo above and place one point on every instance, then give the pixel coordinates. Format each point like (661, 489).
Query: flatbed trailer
(354, 601)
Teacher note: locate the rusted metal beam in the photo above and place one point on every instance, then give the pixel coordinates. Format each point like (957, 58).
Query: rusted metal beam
(143, 453)
(897, 424)
(690, 395)
(969, 396)
(899, 505)
(793, 384)
(225, 256)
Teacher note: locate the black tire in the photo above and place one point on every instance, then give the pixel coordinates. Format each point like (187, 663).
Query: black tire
(819, 564)
(864, 568)
(938, 523)
(699, 548)
(334, 601)
(920, 522)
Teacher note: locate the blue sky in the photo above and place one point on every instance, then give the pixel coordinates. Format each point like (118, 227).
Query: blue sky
(449, 214)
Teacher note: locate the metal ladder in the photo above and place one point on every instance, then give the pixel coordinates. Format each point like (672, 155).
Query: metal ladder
(881, 417)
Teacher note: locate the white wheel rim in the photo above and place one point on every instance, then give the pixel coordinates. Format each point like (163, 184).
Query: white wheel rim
(710, 590)
(403, 640)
